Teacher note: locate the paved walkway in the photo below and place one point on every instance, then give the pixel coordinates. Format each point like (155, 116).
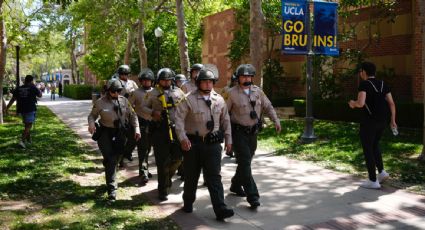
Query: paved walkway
(294, 194)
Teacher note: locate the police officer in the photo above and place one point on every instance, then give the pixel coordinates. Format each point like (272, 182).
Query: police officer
(129, 86)
(245, 104)
(191, 85)
(202, 122)
(114, 112)
(161, 104)
(225, 94)
(233, 82)
(180, 80)
(137, 100)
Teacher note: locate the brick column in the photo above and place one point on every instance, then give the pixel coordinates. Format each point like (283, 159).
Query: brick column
(417, 81)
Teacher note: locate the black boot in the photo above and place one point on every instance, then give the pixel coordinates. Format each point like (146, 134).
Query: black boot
(224, 213)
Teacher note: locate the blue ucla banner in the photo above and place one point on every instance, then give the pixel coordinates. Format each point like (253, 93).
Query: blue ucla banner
(295, 18)
(295, 15)
(325, 28)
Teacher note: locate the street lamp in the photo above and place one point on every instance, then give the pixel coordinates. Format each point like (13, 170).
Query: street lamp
(158, 34)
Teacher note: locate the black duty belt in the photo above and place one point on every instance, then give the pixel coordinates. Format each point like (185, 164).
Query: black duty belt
(196, 138)
(246, 129)
(211, 138)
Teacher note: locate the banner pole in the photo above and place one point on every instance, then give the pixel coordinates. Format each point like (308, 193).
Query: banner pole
(308, 135)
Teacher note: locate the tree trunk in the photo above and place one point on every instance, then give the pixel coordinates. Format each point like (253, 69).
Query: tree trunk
(255, 38)
(127, 54)
(181, 34)
(3, 46)
(74, 75)
(421, 7)
(143, 56)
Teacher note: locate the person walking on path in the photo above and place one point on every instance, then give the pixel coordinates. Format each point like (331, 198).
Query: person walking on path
(60, 89)
(128, 87)
(202, 123)
(53, 91)
(246, 103)
(375, 98)
(138, 101)
(225, 94)
(110, 134)
(161, 104)
(26, 105)
(191, 84)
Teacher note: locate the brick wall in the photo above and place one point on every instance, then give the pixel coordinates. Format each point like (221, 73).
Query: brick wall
(218, 33)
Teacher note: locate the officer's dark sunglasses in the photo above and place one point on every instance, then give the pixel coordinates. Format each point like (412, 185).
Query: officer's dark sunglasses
(115, 90)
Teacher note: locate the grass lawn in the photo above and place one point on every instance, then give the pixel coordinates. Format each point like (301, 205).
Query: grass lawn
(338, 147)
(57, 183)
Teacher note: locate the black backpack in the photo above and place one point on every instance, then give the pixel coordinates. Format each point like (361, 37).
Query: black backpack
(379, 110)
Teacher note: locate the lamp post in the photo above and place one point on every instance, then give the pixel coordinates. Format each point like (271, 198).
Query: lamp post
(17, 66)
(158, 34)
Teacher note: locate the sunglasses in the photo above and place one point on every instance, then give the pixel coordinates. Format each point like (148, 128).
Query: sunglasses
(115, 90)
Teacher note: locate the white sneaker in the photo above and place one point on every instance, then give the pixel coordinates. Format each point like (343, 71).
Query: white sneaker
(22, 144)
(370, 184)
(383, 176)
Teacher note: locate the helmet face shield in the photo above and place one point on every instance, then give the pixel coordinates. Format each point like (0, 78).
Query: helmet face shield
(146, 74)
(123, 70)
(165, 74)
(205, 74)
(245, 70)
(114, 85)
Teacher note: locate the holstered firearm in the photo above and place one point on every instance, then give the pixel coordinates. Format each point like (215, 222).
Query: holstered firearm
(161, 98)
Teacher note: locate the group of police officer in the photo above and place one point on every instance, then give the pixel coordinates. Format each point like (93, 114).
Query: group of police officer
(183, 121)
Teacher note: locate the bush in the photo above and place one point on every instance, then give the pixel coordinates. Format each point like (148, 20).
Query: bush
(283, 102)
(79, 92)
(408, 114)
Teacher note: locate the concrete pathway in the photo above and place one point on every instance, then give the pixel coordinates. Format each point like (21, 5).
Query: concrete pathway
(294, 194)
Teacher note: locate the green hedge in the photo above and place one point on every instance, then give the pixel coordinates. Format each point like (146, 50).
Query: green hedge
(408, 114)
(79, 92)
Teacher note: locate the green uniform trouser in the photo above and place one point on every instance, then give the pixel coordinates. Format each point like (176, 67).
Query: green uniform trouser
(143, 148)
(244, 146)
(168, 157)
(208, 158)
(110, 158)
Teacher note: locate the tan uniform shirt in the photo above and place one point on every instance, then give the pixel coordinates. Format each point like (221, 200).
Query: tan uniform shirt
(105, 108)
(193, 114)
(153, 102)
(189, 87)
(240, 107)
(129, 87)
(138, 100)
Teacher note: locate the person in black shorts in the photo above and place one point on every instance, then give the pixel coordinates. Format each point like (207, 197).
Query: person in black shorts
(375, 98)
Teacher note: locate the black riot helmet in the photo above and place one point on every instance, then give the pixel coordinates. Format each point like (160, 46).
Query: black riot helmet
(205, 74)
(114, 85)
(245, 70)
(146, 74)
(180, 77)
(195, 67)
(123, 70)
(165, 74)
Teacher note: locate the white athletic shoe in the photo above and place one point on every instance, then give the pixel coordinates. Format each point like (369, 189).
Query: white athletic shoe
(370, 184)
(383, 176)
(22, 144)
